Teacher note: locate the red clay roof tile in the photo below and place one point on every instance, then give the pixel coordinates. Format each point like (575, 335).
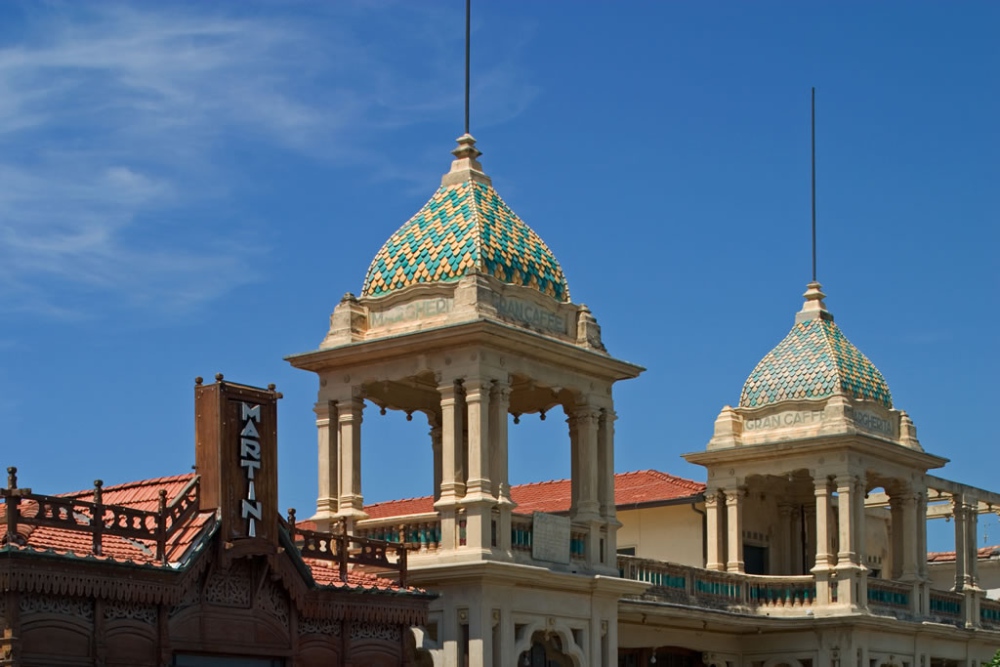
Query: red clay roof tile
(631, 488)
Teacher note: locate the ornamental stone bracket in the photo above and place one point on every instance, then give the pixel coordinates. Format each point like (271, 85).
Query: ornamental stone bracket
(796, 420)
(474, 297)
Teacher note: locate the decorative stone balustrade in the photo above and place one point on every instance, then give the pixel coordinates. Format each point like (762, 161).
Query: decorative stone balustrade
(421, 533)
(683, 584)
(889, 598)
(520, 532)
(989, 614)
(788, 596)
(946, 607)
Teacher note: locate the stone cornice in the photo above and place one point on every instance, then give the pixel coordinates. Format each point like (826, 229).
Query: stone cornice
(498, 335)
(858, 443)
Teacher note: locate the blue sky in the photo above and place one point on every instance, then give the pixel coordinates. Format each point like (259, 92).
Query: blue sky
(189, 188)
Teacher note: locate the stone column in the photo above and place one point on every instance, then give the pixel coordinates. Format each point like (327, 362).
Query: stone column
(349, 416)
(925, 579)
(798, 551)
(967, 553)
(479, 502)
(477, 401)
(606, 483)
(452, 476)
(584, 451)
(909, 536)
(896, 528)
(848, 564)
(961, 544)
(847, 513)
(783, 541)
(587, 508)
(860, 539)
(734, 525)
(822, 569)
(434, 421)
(329, 455)
(972, 535)
(499, 406)
(714, 540)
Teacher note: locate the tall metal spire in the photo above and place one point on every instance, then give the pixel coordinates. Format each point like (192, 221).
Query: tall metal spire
(813, 181)
(468, 35)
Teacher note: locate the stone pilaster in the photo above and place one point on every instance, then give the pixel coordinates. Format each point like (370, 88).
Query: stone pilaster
(328, 500)
(714, 539)
(824, 559)
(734, 529)
(349, 417)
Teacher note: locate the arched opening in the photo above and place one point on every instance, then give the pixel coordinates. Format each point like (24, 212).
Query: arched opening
(546, 651)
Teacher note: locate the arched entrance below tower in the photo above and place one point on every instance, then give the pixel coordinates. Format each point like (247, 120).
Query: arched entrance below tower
(545, 651)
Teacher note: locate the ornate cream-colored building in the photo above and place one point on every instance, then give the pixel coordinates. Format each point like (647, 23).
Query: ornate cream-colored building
(812, 546)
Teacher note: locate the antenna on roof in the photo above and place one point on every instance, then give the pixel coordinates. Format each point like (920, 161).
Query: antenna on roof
(813, 177)
(468, 34)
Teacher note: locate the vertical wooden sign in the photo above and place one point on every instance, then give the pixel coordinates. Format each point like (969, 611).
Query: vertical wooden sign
(236, 445)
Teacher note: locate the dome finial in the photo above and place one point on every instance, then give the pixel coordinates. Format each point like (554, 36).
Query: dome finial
(814, 308)
(466, 167)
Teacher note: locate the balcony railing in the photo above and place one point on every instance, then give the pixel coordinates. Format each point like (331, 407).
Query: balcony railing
(421, 533)
(683, 584)
(989, 614)
(94, 517)
(792, 595)
(946, 607)
(347, 550)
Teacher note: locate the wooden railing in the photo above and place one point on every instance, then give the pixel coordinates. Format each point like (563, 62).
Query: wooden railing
(695, 586)
(346, 550)
(22, 507)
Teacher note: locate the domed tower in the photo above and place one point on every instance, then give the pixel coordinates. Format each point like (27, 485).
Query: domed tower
(465, 317)
(790, 468)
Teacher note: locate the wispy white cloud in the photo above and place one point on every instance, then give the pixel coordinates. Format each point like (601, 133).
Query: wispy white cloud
(115, 121)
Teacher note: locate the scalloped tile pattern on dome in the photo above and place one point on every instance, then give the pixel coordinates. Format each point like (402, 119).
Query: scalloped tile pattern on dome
(815, 360)
(465, 227)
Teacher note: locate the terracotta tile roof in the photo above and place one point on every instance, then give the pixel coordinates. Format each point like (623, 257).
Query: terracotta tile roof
(327, 573)
(631, 488)
(142, 495)
(949, 556)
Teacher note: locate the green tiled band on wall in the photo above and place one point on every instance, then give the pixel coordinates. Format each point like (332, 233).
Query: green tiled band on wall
(814, 360)
(465, 227)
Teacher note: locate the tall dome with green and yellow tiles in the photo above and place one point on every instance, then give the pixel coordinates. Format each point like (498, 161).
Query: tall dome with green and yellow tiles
(814, 361)
(465, 228)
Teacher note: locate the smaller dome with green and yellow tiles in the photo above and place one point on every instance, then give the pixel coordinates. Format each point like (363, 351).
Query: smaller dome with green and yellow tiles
(465, 228)
(814, 361)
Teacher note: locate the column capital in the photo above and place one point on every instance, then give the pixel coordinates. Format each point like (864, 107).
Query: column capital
(823, 486)
(351, 409)
(735, 494)
(323, 409)
(847, 480)
(500, 390)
